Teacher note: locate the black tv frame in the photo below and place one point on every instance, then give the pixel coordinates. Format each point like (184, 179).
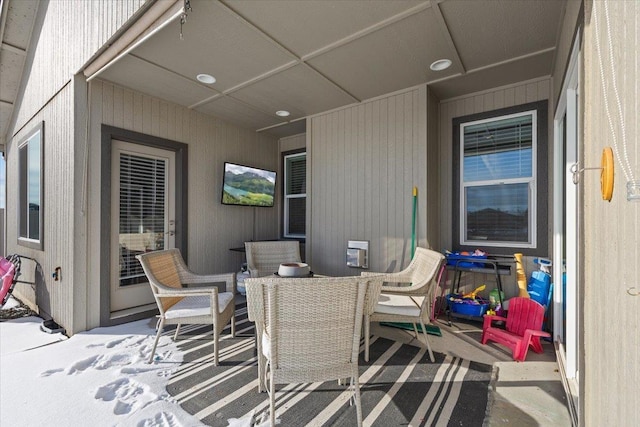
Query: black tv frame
(250, 169)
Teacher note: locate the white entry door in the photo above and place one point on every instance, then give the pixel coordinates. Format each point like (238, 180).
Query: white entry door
(142, 218)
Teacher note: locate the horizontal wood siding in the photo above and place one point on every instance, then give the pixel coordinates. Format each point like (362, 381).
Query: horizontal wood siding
(213, 228)
(364, 163)
(610, 333)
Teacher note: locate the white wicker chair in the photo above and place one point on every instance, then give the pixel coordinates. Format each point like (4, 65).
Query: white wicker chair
(410, 303)
(167, 273)
(264, 258)
(309, 329)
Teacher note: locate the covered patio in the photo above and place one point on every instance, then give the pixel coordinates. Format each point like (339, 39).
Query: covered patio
(454, 125)
(469, 384)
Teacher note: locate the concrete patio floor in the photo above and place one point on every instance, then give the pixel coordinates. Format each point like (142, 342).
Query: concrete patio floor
(526, 393)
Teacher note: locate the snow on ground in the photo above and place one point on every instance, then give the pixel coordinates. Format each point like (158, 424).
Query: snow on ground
(95, 378)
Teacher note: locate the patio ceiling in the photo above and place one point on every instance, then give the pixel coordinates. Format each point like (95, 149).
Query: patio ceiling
(309, 57)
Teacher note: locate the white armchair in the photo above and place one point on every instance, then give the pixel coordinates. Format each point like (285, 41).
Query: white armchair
(167, 273)
(309, 329)
(264, 258)
(409, 301)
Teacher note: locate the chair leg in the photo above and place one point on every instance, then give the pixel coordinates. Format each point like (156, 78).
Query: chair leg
(272, 402)
(233, 326)
(426, 340)
(356, 392)
(528, 340)
(175, 336)
(518, 350)
(415, 330)
(159, 327)
(261, 362)
(367, 334)
(216, 335)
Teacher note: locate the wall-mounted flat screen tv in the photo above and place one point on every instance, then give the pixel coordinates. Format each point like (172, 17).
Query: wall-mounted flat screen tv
(248, 186)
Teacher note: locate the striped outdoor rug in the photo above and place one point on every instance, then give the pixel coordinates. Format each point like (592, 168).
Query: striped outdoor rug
(399, 386)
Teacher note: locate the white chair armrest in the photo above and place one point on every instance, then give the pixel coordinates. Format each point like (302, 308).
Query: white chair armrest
(190, 278)
(255, 300)
(370, 273)
(399, 279)
(255, 272)
(188, 293)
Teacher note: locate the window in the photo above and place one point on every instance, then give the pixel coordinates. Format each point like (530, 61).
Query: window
(295, 195)
(30, 190)
(499, 179)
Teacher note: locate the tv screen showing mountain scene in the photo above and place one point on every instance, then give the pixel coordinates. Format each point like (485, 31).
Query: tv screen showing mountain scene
(247, 186)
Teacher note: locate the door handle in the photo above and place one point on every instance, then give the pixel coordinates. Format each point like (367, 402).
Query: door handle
(171, 232)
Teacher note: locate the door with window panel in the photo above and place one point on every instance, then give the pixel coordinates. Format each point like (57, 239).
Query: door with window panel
(142, 218)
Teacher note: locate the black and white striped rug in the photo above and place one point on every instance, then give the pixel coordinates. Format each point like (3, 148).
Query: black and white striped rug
(399, 386)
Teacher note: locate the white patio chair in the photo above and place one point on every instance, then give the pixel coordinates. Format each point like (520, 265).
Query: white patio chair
(309, 329)
(409, 301)
(264, 258)
(167, 274)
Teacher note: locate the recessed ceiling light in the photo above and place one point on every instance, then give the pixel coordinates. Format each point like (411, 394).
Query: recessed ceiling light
(206, 78)
(440, 64)
(283, 113)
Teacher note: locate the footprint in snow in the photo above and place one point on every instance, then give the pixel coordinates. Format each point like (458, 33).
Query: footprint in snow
(50, 372)
(101, 362)
(163, 419)
(129, 396)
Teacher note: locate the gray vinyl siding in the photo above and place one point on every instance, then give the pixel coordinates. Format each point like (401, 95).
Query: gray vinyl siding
(72, 32)
(364, 161)
(610, 338)
(503, 97)
(213, 228)
(294, 142)
(572, 14)
(494, 99)
(56, 299)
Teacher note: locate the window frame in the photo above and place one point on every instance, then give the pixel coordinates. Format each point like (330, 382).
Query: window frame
(530, 181)
(286, 197)
(25, 240)
(538, 196)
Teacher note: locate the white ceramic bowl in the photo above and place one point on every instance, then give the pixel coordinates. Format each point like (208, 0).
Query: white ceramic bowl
(293, 269)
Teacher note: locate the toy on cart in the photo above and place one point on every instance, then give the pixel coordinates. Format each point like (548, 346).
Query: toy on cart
(466, 259)
(469, 304)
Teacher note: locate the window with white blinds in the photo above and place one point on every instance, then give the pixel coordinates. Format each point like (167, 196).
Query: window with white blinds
(143, 185)
(295, 195)
(498, 183)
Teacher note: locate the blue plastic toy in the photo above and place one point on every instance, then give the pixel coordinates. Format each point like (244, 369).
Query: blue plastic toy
(539, 285)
